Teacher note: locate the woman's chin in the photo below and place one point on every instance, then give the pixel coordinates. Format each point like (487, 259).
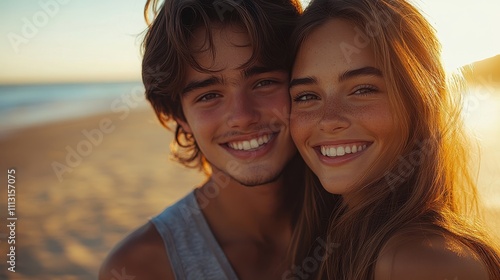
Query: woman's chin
(335, 188)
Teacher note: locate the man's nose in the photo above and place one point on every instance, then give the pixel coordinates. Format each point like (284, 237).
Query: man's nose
(242, 111)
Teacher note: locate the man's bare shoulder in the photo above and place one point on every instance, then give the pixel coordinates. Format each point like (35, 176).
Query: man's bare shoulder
(141, 255)
(428, 257)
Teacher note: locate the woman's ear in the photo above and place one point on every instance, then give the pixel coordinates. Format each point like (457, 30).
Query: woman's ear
(185, 126)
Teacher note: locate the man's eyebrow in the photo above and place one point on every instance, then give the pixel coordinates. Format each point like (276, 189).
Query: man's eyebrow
(302, 81)
(252, 71)
(372, 71)
(193, 85)
(256, 70)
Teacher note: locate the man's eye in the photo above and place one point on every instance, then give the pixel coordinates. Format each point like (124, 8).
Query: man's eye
(265, 83)
(208, 96)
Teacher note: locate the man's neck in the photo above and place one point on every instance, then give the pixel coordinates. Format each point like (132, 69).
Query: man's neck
(234, 211)
(253, 225)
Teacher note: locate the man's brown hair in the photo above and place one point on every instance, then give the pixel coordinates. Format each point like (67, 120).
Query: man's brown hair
(167, 51)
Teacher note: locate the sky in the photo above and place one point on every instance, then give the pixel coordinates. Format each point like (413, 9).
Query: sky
(45, 41)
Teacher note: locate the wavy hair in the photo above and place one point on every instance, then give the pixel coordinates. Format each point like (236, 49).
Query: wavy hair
(168, 52)
(436, 192)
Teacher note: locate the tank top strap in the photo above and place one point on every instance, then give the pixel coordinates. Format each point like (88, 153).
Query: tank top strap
(193, 251)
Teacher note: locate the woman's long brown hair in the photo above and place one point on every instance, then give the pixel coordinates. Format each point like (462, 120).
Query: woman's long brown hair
(425, 182)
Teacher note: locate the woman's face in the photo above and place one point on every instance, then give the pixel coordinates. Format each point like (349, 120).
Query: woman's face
(341, 119)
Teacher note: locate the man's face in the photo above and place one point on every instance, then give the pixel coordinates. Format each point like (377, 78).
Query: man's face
(238, 116)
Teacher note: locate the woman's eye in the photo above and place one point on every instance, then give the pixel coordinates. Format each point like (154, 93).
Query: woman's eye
(208, 96)
(305, 97)
(366, 89)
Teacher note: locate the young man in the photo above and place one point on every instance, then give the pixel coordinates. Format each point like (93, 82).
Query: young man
(219, 69)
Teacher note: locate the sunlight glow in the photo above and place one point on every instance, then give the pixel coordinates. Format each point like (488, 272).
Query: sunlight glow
(100, 40)
(467, 29)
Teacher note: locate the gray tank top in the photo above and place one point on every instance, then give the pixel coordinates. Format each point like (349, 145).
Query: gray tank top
(191, 247)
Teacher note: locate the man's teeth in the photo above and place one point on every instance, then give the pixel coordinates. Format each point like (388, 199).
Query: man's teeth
(341, 150)
(249, 144)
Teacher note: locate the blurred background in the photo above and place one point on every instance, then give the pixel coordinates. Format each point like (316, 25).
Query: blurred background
(92, 162)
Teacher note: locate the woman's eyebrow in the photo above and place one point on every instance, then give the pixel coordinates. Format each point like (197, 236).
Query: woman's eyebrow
(302, 81)
(365, 71)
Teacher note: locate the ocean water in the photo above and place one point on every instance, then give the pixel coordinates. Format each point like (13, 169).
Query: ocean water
(22, 106)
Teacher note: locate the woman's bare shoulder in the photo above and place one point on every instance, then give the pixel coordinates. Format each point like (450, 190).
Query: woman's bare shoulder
(141, 255)
(427, 256)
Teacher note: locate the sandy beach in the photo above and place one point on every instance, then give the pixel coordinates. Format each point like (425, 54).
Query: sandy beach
(66, 227)
(82, 185)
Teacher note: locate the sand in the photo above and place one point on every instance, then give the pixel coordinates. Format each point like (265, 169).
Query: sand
(66, 228)
(106, 187)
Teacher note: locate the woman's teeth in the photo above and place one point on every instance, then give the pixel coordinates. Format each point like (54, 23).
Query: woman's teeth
(341, 150)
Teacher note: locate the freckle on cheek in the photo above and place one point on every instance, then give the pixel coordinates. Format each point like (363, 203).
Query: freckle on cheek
(305, 117)
(358, 112)
(347, 110)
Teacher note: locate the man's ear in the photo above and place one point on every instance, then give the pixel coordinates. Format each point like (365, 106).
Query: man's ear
(185, 126)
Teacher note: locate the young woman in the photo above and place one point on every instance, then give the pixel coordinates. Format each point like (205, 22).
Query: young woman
(374, 121)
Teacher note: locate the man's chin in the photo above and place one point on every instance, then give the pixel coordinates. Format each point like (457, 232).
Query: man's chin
(249, 176)
(256, 181)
